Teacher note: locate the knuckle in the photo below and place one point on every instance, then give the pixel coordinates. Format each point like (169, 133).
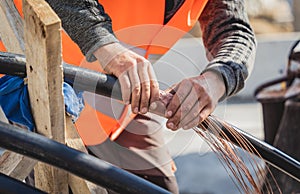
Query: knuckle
(136, 89)
(201, 117)
(195, 114)
(126, 87)
(154, 84)
(146, 90)
(185, 109)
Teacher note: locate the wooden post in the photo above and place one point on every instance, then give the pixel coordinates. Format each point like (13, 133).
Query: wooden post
(11, 33)
(42, 33)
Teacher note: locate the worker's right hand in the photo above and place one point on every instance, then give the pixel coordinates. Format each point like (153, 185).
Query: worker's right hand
(135, 73)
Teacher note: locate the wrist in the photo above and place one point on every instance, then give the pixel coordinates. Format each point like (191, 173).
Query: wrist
(107, 52)
(216, 83)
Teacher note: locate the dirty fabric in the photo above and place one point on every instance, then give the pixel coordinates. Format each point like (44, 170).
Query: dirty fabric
(14, 101)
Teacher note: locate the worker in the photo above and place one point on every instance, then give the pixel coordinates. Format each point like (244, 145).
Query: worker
(120, 36)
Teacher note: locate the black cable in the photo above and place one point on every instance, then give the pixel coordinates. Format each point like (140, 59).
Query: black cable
(10, 185)
(81, 164)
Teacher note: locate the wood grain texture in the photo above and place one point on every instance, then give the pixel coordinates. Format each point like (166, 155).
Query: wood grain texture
(11, 28)
(11, 34)
(42, 34)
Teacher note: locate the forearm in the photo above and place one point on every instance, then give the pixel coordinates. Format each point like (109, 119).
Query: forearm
(229, 41)
(86, 23)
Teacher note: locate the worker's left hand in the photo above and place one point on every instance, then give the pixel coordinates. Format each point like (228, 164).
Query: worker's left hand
(194, 100)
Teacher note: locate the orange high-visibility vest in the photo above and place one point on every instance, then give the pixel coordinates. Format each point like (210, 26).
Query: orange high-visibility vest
(138, 23)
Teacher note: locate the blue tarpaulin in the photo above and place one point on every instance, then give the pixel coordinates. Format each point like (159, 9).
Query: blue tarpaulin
(14, 101)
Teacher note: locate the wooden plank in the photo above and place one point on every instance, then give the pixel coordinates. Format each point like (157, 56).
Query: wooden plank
(42, 33)
(11, 33)
(11, 28)
(12, 164)
(79, 185)
(16, 165)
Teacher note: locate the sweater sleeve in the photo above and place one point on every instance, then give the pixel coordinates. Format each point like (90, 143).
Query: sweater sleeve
(229, 41)
(86, 22)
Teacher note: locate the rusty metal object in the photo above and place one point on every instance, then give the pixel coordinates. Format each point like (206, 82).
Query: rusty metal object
(272, 102)
(287, 140)
(281, 113)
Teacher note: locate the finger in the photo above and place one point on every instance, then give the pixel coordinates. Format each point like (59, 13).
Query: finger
(192, 123)
(125, 87)
(190, 117)
(182, 91)
(173, 111)
(135, 87)
(188, 110)
(206, 111)
(145, 83)
(154, 86)
(199, 119)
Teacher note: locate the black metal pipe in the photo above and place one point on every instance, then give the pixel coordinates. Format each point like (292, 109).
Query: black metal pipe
(12, 64)
(92, 81)
(79, 78)
(81, 164)
(107, 85)
(10, 185)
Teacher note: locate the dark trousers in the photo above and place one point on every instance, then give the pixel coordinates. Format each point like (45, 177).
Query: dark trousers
(140, 149)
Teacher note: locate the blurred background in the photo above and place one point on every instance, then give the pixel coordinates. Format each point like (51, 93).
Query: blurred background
(277, 26)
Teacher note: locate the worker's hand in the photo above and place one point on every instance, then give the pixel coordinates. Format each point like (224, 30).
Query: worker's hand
(194, 99)
(136, 76)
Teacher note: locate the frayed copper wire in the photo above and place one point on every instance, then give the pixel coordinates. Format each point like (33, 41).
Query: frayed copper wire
(230, 156)
(211, 132)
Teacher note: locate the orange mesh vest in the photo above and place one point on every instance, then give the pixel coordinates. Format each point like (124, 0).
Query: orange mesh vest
(138, 23)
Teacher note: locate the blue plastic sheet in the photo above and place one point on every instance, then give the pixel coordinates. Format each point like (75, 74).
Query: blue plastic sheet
(14, 101)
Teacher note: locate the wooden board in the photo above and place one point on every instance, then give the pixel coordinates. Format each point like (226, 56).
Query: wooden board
(11, 33)
(42, 34)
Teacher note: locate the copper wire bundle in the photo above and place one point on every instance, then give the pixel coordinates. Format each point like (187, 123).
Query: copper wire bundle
(233, 159)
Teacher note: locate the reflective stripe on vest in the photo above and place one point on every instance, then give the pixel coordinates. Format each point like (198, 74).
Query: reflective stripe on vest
(141, 27)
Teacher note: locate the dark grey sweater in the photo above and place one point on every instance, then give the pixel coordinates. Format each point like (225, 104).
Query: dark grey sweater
(227, 35)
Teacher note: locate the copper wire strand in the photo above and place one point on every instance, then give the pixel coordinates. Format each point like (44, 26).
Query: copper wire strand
(233, 159)
(248, 147)
(218, 148)
(210, 130)
(235, 153)
(251, 149)
(223, 160)
(229, 155)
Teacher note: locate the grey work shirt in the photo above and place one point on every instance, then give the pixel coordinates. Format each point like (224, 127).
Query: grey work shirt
(227, 35)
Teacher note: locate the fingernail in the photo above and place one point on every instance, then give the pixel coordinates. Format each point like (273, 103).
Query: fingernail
(168, 114)
(153, 106)
(170, 125)
(144, 110)
(135, 110)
